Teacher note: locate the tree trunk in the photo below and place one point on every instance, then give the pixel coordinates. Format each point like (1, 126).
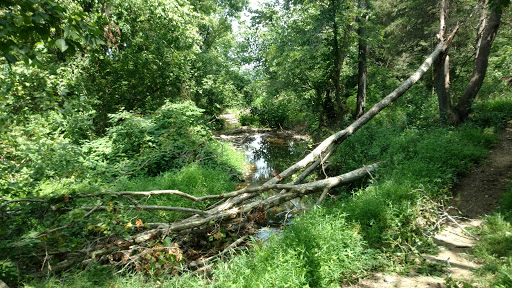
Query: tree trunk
(442, 71)
(363, 52)
(337, 66)
(319, 105)
(442, 85)
(487, 28)
(328, 107)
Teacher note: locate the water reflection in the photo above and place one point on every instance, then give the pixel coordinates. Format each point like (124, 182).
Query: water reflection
(269, 152)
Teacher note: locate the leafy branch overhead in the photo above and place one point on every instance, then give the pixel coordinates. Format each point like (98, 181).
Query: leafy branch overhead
(28, 28)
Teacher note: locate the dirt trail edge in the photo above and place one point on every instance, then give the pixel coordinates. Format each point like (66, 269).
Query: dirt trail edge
(475, 195)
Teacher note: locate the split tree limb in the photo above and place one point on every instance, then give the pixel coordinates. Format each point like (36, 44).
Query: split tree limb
(460, 226)
(322, 197)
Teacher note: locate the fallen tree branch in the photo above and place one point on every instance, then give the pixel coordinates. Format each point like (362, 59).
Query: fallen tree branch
(155, 208)
(460, 226)
(295, 191)
(94, 209)
(199, 263)
(322, 197)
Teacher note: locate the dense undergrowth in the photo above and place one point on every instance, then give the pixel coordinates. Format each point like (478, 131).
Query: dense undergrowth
(169, 149)
(377, 224)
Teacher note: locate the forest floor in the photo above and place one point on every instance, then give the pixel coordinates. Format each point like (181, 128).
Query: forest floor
(475, 195)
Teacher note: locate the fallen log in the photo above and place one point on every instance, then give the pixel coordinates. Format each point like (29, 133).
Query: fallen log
(293, 191)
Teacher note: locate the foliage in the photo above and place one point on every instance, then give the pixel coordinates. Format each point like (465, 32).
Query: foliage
(495, 245)
(304, 255)
(65, 206)
(271, 114)
(174, 136)
(28, 28)
(428, 161)
(132, 112)
(164, 50)
(195, 179)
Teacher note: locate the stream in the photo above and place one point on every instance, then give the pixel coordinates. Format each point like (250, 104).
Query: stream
(267, 151)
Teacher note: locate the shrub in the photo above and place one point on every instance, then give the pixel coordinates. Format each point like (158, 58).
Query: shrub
(272, 114)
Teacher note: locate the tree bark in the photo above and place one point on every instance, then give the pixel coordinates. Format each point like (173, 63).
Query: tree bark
(442, 71)
(442, 86)
(362, 61)
(487, 28)
(336, 66)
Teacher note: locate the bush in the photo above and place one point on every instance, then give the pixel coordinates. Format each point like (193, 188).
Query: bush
(272, 114)
(174, 136)
(248, 119)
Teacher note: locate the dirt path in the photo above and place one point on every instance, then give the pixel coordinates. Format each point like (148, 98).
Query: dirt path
(475, 196)
(479, 193)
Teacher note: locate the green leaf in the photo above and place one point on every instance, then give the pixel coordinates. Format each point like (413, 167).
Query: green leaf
(11, 58)
(61, 44)
(66, 31)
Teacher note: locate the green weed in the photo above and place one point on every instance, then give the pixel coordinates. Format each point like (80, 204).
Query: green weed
(495, 246)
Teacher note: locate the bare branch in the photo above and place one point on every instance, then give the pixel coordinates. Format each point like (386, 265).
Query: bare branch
(233, 245)
(20, 200)
(156, 208)
(67, 225)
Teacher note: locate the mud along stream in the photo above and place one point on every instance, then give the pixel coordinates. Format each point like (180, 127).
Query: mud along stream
(266, 151)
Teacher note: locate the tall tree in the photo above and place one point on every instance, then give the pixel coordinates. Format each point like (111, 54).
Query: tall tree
(488, 25)
(487, 30)
(362, 76)
(304, 46)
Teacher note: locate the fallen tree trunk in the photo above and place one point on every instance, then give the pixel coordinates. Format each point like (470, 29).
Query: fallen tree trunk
(201, 220)
(293, 191)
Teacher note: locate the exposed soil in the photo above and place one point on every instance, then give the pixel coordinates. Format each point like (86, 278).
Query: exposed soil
(475, 195)
(478, 193)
